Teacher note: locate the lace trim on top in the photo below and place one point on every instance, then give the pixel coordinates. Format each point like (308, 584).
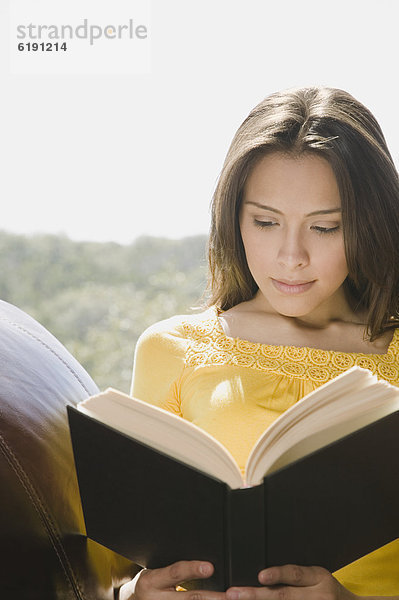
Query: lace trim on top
(209, 346)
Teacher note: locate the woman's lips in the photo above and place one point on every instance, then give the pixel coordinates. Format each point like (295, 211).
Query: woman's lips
(292, 287)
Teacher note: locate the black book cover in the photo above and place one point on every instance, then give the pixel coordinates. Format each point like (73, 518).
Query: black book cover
(328, 508)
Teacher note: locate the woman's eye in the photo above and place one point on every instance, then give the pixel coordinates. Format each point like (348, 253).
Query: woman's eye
(264, 224)
(320, 229)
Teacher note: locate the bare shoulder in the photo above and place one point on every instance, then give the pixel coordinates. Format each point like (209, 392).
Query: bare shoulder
(246, 321)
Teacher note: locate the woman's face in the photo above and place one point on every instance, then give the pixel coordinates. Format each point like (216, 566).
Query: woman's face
(291, 227)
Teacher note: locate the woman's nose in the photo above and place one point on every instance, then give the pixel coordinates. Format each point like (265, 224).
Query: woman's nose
(292, 252)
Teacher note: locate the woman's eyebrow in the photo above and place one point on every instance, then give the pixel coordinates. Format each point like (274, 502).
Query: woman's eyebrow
(326, 211)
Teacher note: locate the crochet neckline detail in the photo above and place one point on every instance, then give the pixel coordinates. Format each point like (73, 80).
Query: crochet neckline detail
(209, 346)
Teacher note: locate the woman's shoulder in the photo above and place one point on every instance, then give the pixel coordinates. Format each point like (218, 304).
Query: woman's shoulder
(176, 329)
(160, 356)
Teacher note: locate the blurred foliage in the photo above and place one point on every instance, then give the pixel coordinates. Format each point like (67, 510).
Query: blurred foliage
(97, 298)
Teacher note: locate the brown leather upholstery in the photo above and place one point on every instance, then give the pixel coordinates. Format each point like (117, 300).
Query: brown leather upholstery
(44, 554)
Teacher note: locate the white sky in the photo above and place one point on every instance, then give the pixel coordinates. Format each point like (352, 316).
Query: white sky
(112, 157)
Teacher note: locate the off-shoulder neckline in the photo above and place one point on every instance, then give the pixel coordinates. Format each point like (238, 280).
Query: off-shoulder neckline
(390, 350)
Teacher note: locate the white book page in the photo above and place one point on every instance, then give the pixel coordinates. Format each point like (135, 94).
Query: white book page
(331, 434)
(304, 440)
(333, 418)
(165, 432)
(330, 392)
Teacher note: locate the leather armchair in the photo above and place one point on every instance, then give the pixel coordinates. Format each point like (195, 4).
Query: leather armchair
(44, 553)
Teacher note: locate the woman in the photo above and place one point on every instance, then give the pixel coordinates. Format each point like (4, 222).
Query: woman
(304, 283)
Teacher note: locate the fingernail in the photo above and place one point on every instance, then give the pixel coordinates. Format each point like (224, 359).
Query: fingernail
(233, 595)
(265, 577)
(205, 569)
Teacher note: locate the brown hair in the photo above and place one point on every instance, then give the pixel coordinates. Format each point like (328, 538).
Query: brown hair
(332, 124)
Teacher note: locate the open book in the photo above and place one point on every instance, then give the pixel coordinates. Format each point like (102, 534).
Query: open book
(320, 488)
(337, 408)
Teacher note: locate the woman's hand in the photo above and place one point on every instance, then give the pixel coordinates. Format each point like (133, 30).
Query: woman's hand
(160, 584)
(291, 582)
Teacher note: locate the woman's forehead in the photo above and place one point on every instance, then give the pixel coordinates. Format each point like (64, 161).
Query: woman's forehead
(279, 181)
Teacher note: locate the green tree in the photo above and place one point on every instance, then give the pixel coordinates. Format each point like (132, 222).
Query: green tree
(97, 298)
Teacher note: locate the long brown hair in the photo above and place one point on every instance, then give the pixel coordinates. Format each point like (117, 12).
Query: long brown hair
(330, 123)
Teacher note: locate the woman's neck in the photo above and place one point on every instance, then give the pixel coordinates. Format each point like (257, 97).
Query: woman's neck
(344, 331)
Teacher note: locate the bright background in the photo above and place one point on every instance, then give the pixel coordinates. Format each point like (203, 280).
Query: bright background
(113, 157)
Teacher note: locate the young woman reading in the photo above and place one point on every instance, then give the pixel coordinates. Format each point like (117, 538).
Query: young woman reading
(304, 284)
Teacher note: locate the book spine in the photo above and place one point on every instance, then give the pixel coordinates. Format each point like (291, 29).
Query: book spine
(246, 535)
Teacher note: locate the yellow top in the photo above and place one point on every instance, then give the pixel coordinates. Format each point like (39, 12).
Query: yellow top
(234, 389)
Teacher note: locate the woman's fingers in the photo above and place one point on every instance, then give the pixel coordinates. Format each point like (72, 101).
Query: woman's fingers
(266, 593)
(173, 575)
(160, 584)
(293, 575)
(292, 582)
